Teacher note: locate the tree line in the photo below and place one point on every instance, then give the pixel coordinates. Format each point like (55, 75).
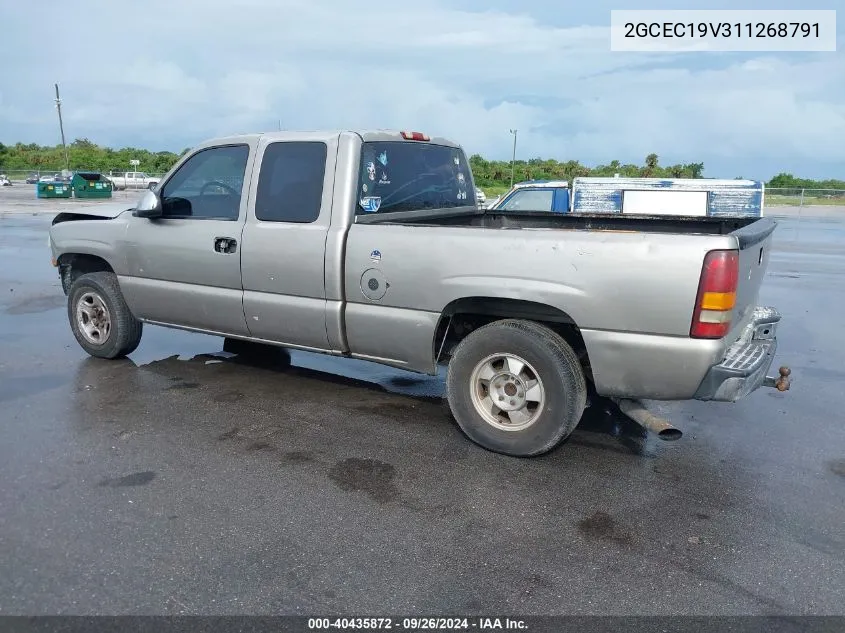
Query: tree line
(84, 154)
(498, 172)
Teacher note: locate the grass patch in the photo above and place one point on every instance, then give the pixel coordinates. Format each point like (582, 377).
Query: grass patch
(795, 201)
(494, 190)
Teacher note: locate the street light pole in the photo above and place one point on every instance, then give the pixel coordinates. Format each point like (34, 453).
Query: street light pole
(61, 126)
(513, 159)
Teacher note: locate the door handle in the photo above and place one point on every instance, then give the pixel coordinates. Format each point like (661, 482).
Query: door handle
(225, 245)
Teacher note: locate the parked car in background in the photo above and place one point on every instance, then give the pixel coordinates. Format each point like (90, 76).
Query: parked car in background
(32, 179)
(535, 195)
(4, 181)
(371, 245)
(480, 196)
(133, 180)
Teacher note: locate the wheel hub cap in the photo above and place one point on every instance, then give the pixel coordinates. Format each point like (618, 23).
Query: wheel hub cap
(507, 392)
(93, 318)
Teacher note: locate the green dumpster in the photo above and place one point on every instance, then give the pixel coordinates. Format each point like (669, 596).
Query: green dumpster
(53, 189)
(88, 184)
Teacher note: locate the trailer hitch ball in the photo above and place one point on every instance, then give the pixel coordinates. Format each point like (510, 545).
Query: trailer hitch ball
(782, 383)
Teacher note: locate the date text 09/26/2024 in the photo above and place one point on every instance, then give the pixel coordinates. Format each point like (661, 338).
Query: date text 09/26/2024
(417, 624)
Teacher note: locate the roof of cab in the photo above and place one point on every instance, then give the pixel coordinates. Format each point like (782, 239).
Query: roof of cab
(369, 135)
(541, 183)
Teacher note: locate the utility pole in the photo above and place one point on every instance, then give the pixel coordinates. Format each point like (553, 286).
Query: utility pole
(61, 126)
(513, 160)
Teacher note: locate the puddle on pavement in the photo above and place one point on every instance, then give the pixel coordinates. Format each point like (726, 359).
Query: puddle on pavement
(22, 387)
(134, 479)
(160, 345)
(370, 476)
(35, 304)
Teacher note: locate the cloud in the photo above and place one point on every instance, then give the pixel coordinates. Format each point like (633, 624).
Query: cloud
(176, 73)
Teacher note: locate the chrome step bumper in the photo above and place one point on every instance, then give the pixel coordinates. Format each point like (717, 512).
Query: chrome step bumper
(746, 362)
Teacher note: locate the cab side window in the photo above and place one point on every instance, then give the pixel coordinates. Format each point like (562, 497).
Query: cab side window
(290, 185)
(208, 185)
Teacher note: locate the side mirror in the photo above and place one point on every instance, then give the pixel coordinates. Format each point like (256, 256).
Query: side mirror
(149, 206)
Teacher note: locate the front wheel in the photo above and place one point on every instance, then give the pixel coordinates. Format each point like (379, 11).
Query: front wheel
(99, 317)
(516, 387)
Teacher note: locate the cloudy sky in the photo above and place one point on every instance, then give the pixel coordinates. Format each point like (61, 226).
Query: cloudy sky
(164, 74)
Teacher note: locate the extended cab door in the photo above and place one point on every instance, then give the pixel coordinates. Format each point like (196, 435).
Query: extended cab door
(283, 259)
(185, 267)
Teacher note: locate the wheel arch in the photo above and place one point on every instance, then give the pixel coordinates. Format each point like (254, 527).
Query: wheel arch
(463, 315)
(72, 265)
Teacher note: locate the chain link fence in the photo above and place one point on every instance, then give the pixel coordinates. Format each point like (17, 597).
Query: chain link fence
(799, 197)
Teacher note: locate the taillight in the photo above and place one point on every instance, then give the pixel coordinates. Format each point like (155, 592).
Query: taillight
(415, 136)
(716, 297)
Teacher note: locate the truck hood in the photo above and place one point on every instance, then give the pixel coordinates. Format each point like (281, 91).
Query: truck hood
(106, 210)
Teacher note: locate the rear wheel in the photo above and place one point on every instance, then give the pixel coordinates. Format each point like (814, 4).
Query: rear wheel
(99, 317)
(516, 387)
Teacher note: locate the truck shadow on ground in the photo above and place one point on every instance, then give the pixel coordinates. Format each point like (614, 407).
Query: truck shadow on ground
(273, 376)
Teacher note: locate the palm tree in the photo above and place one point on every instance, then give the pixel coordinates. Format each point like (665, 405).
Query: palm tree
(650, 165)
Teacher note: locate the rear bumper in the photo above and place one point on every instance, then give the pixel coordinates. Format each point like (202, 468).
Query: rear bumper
(746, 364)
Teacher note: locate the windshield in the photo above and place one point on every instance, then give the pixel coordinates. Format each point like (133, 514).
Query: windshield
(410, 176)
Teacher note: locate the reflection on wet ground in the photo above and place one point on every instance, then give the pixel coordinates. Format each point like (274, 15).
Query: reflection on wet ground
(189, 480)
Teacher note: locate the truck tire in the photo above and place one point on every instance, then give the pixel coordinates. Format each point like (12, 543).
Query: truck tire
(99, 317)
(516, 387)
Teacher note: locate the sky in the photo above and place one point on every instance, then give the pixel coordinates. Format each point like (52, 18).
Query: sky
(166, 74)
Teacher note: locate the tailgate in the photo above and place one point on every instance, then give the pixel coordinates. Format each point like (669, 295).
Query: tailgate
(754, 243)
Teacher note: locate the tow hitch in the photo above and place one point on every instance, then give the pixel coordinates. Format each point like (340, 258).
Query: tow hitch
(781, 382)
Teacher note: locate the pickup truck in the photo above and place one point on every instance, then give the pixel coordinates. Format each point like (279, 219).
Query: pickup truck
(370, 245)
(133, 180)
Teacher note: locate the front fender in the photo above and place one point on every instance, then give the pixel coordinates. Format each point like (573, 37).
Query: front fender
(98, 238)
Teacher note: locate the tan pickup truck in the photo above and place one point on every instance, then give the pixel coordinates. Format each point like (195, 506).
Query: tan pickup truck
(371, 245)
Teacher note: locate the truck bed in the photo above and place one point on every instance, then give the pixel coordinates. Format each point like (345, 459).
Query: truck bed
(748, 230)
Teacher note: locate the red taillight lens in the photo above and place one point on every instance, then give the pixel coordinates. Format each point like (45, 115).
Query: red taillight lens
(415, 136)
(716, 297)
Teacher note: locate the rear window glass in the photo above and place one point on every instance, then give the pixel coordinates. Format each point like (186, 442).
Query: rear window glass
(411, 176)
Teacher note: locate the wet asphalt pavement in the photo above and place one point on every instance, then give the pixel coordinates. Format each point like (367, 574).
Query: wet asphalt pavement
(184, 480)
